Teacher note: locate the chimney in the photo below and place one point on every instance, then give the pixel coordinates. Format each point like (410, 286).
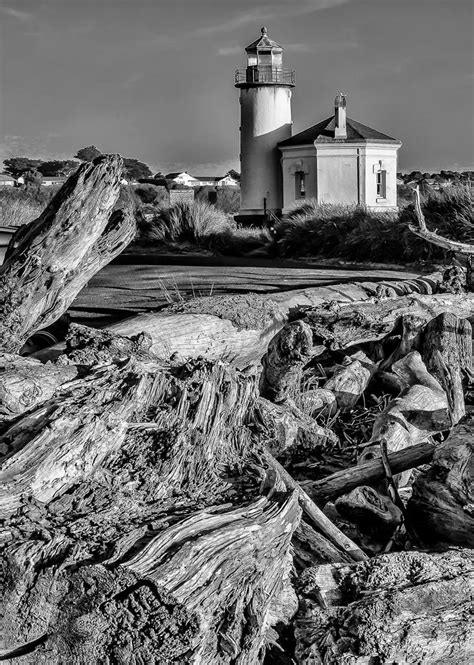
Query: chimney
(340, 131)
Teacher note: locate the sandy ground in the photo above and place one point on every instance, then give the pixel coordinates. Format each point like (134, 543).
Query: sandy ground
(122, 289)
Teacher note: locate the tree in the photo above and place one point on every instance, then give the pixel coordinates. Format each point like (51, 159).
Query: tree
(17, 166)
(88, 154)
(32, 178)
(134, 169)
(57, 168)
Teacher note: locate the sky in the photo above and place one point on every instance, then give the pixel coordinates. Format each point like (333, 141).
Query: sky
(153, 79)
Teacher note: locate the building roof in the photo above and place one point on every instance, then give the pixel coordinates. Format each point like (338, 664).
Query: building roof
(263, 42)
(323, 132)
(214, 178)
(6, 176)
(54, 178)
(171, 176)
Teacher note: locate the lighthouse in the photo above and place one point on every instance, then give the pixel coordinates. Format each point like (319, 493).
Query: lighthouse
(265, 120)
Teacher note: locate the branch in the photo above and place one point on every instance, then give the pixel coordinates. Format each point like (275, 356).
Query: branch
(422, 232)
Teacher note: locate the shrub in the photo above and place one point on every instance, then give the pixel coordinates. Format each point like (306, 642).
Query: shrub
(354, 233)
(185, 222)
(21, 206)
(204, 226)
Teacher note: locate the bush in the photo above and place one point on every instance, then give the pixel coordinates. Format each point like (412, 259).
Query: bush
(354, 233)
(202, 225)
(21, 206)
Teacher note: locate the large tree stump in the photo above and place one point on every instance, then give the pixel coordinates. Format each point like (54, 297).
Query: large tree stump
(442, 504)
(141, 469)
(447, 352)
(76, 235)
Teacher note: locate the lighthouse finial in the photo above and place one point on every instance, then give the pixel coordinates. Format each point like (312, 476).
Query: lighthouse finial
(264, 30)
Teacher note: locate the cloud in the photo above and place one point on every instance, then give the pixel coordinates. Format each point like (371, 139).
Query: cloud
(17, 14)
(229, 50)
(271, 10)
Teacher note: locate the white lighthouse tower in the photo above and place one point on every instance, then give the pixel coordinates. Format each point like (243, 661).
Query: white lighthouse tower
(265, 112)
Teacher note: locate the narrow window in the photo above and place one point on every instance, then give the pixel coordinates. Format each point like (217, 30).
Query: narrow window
(300, 185)
(381, 184)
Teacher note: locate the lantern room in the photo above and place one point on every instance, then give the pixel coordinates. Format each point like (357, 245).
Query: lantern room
(264, 52)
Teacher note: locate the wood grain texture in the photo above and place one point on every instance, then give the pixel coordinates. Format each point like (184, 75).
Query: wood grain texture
(77, 234)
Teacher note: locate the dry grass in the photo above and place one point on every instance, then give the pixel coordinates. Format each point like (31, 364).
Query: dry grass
(16, 210)
(354, 233)
(203, 225)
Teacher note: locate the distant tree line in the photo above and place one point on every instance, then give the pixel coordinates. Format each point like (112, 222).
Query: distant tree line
(33, 170)
(441, 176)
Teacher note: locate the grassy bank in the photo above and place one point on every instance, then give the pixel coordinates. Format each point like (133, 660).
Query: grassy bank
(20, 206)
(202, 226)
(353, 233)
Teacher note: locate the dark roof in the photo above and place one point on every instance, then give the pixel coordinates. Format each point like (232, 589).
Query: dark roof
(6, 176)
(323, 132)
(264, 42)
(170, 176)
(208, 177)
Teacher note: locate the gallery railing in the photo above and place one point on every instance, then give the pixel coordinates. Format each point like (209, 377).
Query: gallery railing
(265, 75)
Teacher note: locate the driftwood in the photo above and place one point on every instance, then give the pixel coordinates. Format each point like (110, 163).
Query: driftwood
(315, 515)
(289, 430)
(239, 328)
(25, 383)
(408, 607)
(442, 505)
(447, 352)
(368, 473)
(287, 354)
(350, 381)
(78, 233)
(344, 326)
(127, 451)
(422, 231)
(421, 410)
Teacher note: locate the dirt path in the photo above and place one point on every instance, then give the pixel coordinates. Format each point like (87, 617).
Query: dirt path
(121, 290)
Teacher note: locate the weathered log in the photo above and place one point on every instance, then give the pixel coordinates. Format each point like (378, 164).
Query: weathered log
(289, 430)
(287, 354)
(239, 328)
(140, 468)
(442, 504)
(420, 411)
(26, 383)
(317, 401)
(76, 235)
(348, 325)
(312, 548)
(315, 515)
(432, 237)
(368, 473)
(350, 381)
(447, 352)
(372, 511)
(408, 607)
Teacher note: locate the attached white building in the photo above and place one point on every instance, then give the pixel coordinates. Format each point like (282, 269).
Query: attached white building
(340, 160)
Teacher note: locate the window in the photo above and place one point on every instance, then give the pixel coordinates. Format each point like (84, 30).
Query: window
(381, 184)
(300, 184)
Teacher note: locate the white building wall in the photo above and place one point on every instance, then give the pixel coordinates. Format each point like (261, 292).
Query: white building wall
(265, 121)
(294, 160)
(342, 173)
(338, 179)
(381, 158)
